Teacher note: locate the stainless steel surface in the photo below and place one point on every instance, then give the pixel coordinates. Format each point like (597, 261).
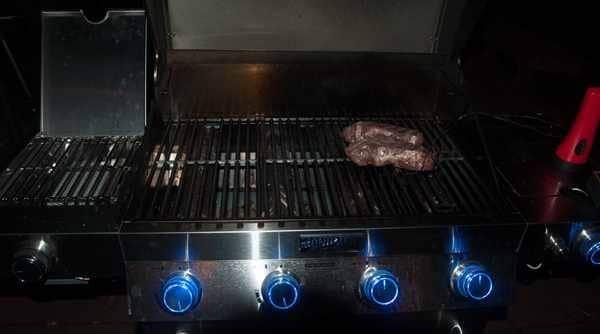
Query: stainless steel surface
(93, 74)
(330, 285)
(232, 268)
(245, 245)
(409, 26)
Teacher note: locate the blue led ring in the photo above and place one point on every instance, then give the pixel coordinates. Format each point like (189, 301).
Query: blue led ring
(478, 275)
(276, 290)
(592, 254)
(468, 273)
(383, 280)
(185, 284)
(377, 279)
(183, 287)
(278, 282)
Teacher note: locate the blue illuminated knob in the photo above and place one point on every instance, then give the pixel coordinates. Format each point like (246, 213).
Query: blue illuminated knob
(180, 293)
(589, 247)
(472, 281)
(379, 287)
(281, 291)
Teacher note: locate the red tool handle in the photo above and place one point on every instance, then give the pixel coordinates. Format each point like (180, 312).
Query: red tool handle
(577, 145)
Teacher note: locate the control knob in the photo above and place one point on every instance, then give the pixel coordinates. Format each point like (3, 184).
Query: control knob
(379, 287)
(281, 291)
(180, 293)
(588, 247)
(32, 261)
(472, 281)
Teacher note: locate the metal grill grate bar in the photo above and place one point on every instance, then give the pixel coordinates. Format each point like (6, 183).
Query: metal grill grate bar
(231, 169)
(68, 171)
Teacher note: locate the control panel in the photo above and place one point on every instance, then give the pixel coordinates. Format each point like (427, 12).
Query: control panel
(214, 290)
(233, 276)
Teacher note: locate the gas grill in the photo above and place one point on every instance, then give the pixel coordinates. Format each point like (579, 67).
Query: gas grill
(231, 197)
(242, 189)
(249, 207)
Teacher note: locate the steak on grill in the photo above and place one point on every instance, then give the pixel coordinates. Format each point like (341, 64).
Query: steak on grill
(360, 131)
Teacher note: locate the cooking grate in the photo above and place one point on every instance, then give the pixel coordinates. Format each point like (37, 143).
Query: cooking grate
(68, 171)
(280, 169)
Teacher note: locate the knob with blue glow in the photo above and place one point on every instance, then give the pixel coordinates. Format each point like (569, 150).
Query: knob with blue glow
(180, 293)
(472, 281)
(380, 287)
(281, 291)
(589, 247)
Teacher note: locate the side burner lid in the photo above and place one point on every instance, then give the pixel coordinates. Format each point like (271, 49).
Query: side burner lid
(93, 74)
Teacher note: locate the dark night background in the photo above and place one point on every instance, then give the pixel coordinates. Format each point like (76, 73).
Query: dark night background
(522, 57)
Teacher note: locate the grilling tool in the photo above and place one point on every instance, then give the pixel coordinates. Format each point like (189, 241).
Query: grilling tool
(575, 148)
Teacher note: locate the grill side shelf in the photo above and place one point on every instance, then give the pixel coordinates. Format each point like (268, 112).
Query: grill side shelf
(69, 172)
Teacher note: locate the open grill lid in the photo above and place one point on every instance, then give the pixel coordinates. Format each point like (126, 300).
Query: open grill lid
(344, 37)
(402, 26)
